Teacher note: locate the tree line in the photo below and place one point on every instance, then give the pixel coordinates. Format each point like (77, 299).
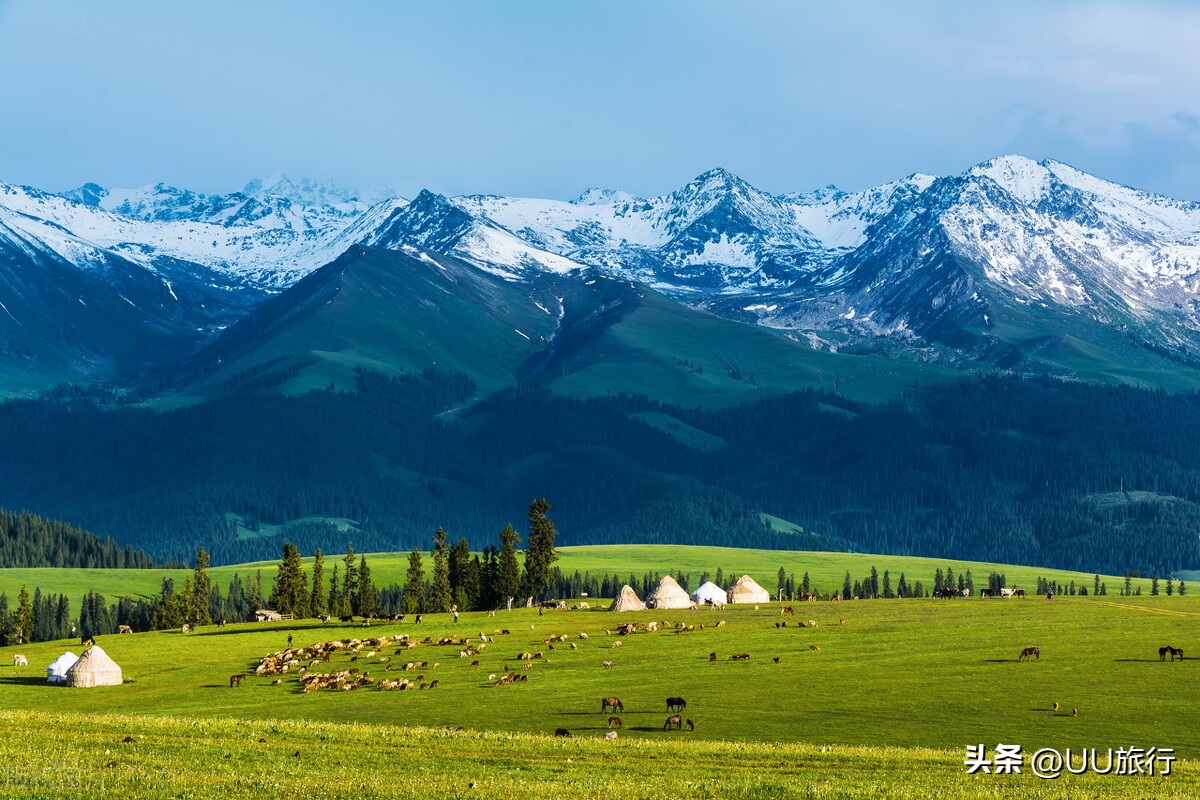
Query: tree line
(27, 540)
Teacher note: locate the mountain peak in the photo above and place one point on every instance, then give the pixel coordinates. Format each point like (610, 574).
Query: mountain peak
(90, 194)
(1020, 176)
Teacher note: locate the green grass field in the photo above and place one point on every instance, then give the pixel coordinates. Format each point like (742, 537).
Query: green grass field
(885, 706)
(826, 570)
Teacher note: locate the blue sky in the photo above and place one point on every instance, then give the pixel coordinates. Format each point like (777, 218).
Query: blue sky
(548, 98)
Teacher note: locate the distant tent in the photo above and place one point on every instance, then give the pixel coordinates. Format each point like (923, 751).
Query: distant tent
(747, 591)
(668, 594)
(57, 671)
(94, 668)
(710, 593)
(627, 600)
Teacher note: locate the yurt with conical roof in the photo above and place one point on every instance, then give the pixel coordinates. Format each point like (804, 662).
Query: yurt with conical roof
(627, 600)
(668, 594)
(57, 671)
(746, 590)
(94, 668)
(710, 594)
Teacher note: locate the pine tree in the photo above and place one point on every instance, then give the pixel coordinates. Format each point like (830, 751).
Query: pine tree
(1096, 584)
(847, 587)
(1128, 585)
(291, 587)
(368, 592)
(969, 582)
(807, 584)
(414, 583)
(316, 603)
(335, 596)
(1182, 588)
(939, 581)
(349, 583)
(902, 586)
(1170, 586)
(198, 601)
(1153, 583)
(719, 580)
(508, 577)
(540, 553)
(874, 589)
(887, 584)
(781, 577)
(439, 589)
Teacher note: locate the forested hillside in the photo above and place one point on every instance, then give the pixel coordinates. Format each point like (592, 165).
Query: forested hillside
(1098, 478)
(27, 540)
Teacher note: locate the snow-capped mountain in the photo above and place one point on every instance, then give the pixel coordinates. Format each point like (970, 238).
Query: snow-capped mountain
(986, 264)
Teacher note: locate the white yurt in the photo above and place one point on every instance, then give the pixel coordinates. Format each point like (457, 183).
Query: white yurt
(94, 668)
(668, 594)
(627, 600)
(747, 591)
(57, 671)
(711, 594)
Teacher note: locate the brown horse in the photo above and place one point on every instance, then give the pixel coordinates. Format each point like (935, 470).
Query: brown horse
(674, 721)
(235, 680)
(1174, 651)
(87, 639)
(691, 725)
(611, 704)
(615, 722)
(1030, 652)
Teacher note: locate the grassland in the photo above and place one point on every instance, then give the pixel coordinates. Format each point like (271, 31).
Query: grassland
(826, 570)
(887, 704)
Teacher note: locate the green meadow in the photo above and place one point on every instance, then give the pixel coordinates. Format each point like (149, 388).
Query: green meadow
(880, 697)
(826, 570)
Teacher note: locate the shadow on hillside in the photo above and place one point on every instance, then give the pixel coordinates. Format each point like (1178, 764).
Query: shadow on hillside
(22, 680)
(1143, 661)
(1001, 661)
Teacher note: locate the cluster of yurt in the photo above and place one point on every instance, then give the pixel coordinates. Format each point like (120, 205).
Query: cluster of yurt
(668, 594)
(627, 600)
(93, 668)
(710, 594)
(746, 590)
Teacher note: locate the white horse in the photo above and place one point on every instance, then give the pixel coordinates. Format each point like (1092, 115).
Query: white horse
(20, 661)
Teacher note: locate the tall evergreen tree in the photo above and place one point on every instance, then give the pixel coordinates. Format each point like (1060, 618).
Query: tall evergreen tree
(781, 580)
(807, 584)
(414, 583)
(349, 582)
(508, 577)
(368, 592)
(316, 603)
(198, 601)
(1153, 583)
(291, 587)
(847, 587)
(539, 553)
(887, 584)
(439, 589)
(335, 595)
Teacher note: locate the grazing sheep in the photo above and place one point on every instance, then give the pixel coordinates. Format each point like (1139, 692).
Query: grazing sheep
(776, 659)
(721, 623)
(573, 647)
(610, 735)
(813, 647)
(606, 664)
(617, 643)
(583, 636)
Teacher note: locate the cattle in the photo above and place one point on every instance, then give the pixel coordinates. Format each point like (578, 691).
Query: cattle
(124, 629)
(787, 611)
(185, 628)
(739, 657)
(20, 661)
(674, 721)
(562, 732)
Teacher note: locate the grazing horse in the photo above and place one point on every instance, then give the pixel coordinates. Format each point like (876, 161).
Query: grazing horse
(1019, 592)
(691, 725)
(615, 722)
(20, 661)
(985, 592)
(1174, 651)
(87, 639)
(185, 628)
(124, 629)
(235, 680)
(611, 704)
(676, 704)
(562, 732)
(674, 721)
(1030, 652)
